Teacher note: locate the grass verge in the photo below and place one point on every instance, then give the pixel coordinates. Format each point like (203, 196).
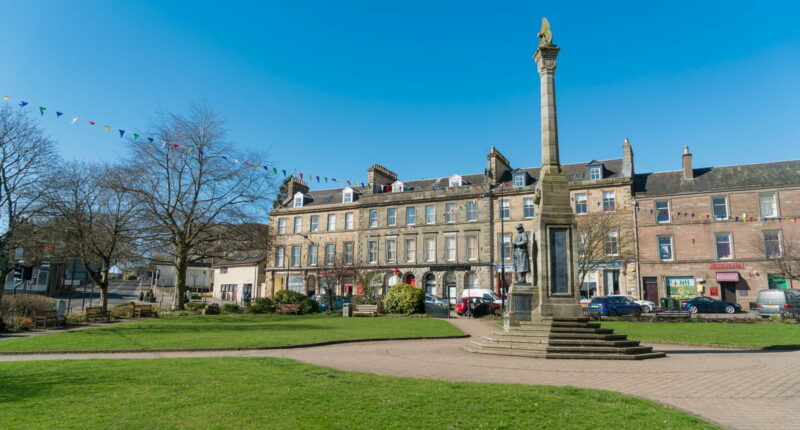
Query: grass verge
(267, 393)
(766, 336)
(232, 331)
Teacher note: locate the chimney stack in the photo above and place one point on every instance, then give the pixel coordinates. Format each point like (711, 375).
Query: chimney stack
(497, 165)
(688, 172)
(379, 177)
(293, 186)
(627, 159)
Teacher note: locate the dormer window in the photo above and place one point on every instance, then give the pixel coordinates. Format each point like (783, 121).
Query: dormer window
(519, 180)
(455, 181)
(595, 173)
(397, 187)
(298, 199)
(347, 195)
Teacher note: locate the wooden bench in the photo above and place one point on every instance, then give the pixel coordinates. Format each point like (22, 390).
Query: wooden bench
(47, 319)
(96, 313)
(288, 309)
(210, 309)
(673, 314)
(144, 311)
(371, 310)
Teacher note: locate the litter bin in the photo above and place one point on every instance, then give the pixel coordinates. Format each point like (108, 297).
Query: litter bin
(669, 303)
(346, 310)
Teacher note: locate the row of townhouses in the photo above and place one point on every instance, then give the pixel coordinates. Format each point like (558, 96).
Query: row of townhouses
(676, 234)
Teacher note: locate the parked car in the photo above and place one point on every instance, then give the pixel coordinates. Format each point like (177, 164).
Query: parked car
(647, 305)
(338, 302)
(707, 304)
(478, 306)
(482, 292)
(776, 302)
(433, 300)
(613, 305)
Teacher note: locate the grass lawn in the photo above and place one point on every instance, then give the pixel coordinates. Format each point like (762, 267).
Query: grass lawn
(717, 333)
(283, 394)
(232, 330)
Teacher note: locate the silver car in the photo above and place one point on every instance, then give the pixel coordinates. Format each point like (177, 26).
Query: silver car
(777, 302)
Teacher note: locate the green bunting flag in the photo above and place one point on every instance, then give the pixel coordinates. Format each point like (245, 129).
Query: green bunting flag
(135, 136)
(41, 110)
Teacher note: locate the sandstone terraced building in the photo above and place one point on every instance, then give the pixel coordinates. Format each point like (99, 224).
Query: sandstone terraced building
(443, 234)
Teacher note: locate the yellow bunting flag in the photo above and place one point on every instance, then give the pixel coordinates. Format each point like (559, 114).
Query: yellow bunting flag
(106, 128)
(6, 98)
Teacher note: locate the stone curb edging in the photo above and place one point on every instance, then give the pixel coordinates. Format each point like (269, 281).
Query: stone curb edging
(240, 348)
(712, 345)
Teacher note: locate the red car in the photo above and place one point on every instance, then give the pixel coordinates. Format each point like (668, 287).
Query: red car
(479, 306)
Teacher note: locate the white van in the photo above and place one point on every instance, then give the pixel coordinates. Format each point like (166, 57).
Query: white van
(482, 292)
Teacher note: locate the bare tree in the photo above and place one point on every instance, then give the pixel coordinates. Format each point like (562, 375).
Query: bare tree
(202, 197)
(603, 237)
(26, 157)
(94, 218)
(782, 251)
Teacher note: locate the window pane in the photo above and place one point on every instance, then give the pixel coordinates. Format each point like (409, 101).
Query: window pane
(411, 216)
(314, 222)
(372, 251)
(331, 222)
(348, 221)
(505, 209)
(581, 205)
(772, 244)
(662, 211)
(298, 224)
(723, 245)
(528, 208)
(312, 255)
(391, 216)
(411, 250)
(450, 212)
(609, 203)
(391, 250)
(373, 218)
(665, 247)
(472, 211)
(430, 215)
(720, 207)
(767, 202)
(348, 253)
(450, 248)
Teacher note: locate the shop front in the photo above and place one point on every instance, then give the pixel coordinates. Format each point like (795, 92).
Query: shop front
(727, 285)
(681, 287)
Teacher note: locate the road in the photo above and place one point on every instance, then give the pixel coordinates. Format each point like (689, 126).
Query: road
(118, 292)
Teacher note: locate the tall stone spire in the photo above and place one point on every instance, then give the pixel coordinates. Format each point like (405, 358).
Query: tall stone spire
(545, 58)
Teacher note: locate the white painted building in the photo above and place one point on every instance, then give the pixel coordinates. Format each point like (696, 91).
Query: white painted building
(234, 279)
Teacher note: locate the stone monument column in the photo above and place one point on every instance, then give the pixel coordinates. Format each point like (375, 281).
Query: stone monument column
(557, 294)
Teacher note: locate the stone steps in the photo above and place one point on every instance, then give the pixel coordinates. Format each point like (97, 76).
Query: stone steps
(600, 349)
(601, 356)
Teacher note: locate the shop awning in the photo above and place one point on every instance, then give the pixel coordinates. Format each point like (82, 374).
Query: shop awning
(727, 276)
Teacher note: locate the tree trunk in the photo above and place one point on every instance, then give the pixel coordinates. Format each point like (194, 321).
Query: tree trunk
(103, 284)
(181, 266)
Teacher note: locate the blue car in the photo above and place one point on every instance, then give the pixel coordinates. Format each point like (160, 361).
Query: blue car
(613, 306)
(707, 304)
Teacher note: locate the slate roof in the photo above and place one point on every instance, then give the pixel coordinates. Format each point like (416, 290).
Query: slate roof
(713, 179)
(612, 169)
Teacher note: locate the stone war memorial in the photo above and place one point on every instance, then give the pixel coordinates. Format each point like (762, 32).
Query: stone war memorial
(544, 318)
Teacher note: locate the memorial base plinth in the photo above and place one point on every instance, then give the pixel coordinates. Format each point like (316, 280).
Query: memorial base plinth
(561, 337)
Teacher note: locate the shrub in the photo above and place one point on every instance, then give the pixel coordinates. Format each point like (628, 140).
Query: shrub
(194, 306)
(231, 308)
(404, 299)
(25, 305)
(288, 297)
(261, 305)
(122, 310)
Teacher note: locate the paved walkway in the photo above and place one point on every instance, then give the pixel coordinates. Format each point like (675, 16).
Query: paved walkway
(735, 389)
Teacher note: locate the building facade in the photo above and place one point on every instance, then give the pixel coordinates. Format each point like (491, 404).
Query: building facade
(444, 234)
(235, 280)
(717, 232)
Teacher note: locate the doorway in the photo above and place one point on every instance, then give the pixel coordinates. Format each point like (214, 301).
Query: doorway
(611, 284)
(728, 291)
(650, 289)
(430, 284)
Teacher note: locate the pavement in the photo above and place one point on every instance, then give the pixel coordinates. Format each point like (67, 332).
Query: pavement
(736, 389)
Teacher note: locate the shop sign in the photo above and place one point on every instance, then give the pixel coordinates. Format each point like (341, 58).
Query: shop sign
(726, 266)
(714, 291)
(681, 286)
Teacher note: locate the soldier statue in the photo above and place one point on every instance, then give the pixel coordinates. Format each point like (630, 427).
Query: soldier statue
(521, 258)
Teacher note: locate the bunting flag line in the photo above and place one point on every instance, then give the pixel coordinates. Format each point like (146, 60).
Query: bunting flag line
(42, 110)
(106, 128)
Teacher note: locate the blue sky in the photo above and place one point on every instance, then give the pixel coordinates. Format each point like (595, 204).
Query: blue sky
(423, 88)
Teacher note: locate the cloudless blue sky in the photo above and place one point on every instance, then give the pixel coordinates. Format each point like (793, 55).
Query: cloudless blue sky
(423, 88)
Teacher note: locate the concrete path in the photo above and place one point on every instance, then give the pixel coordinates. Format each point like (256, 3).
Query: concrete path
(732, 388)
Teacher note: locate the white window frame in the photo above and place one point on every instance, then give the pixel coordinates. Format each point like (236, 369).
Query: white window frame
(609, 201)
(373, 218)
(411, 217)
(779, 240)
(314, 223)
(372, 251)
(280, 256)
(504, 209)
(658, 211)
(298, 199)
(281, 225)
(348, 220)
(729, 235)
(429, 251)
(348, 253)
(411, 251)
(472, 247)
(296, 256)
(430, 214)
(450, 213)
(455, 181)
(595, 173)
(581, 203)
(774, 196)
(611, 236)
(450, 247)
(519, 180)
(391, 250)
(391, 216)
(527, 203)
(671, 247)
(505, 253)
(347, 195)
(472, 211)
(313, 253)
(331, 222)
(297, 225)
(330, 257)
(714, 208)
